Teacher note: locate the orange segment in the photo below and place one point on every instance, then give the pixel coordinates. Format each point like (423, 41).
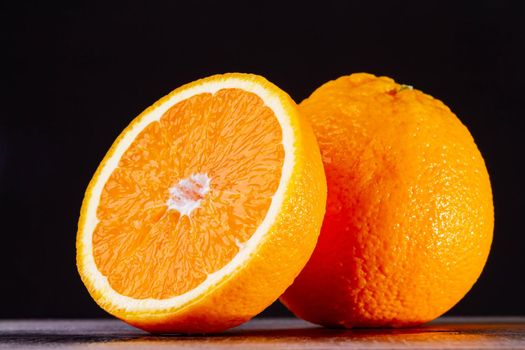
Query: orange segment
(205, 209)
(236, 146)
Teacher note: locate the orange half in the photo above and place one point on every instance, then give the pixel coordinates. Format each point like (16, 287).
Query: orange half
(205, 208)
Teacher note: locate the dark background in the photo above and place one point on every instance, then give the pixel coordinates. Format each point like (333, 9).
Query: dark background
(76, 74)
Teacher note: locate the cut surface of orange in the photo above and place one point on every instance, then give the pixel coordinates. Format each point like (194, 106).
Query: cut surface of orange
(205, 208)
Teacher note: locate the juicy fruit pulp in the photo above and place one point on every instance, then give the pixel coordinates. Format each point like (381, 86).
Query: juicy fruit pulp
(154, 178)
(409, 218)
(205, 208)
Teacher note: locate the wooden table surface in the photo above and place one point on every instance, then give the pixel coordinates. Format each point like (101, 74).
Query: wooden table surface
(445, 333)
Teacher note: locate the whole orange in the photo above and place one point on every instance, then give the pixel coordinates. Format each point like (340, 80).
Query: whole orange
(409, 218)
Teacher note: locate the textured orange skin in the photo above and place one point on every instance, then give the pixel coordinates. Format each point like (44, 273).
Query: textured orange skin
(409, 217)
(278, 259)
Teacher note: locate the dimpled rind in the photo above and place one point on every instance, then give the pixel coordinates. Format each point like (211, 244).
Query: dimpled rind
(409, 218)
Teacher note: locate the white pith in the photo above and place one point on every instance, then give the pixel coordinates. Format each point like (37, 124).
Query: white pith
(100, 282)
(182, 194)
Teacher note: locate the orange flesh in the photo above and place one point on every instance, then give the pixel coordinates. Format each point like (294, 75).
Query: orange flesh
(147, 250)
